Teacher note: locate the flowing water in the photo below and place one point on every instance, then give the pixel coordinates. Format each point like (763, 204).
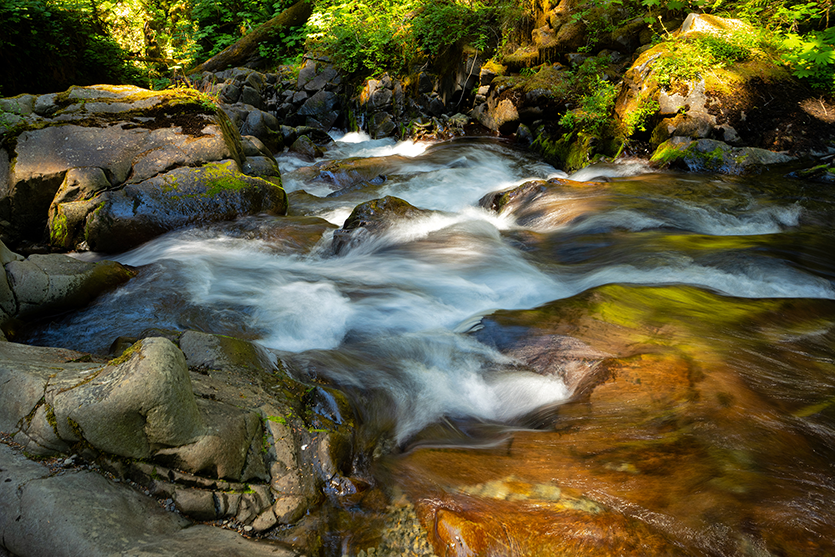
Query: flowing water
(439, 327)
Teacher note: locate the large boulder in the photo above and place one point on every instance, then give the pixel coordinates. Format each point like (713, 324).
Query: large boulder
(42, 285)
(121, 219)
(64, 150)
(710, 155)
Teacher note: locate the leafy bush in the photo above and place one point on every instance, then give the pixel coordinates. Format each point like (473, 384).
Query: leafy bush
(811, 57)
(388, 35)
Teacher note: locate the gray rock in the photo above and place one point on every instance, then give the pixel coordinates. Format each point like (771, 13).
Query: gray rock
(322, 79)
(138, 212)
(44, 284)
(224, 353)
(36, 519)
(264, 126)
(133, 406)
(307, 73)
(306, 149)
(381, 125)
(320, 103)
(196, 503)
(251, 97)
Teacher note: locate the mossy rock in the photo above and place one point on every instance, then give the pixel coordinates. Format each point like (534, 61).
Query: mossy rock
(184, 196)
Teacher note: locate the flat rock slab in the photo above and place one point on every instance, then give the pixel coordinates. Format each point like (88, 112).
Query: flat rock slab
(39, 517)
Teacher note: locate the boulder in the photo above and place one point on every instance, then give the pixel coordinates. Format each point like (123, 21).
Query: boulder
(94, 141)
(121, 219)
(133, 406)
(372, 217)
(50, 284)
(709, 155)
(752, 102)
(195, 423)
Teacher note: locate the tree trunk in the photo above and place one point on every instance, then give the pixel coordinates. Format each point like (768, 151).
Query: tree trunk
(244, 47)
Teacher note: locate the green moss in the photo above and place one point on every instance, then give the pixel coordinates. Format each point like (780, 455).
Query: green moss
(126, 355)
(58, 229)
(51, 420)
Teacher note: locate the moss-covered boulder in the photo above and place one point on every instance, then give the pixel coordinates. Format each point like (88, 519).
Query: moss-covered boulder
(709, 155)
(716, 78)
(60, 151)
(118, 220)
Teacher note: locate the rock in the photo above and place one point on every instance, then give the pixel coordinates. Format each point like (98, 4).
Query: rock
(741, 103)
(101, 139)
(381, 125)
(48, 284)
(196, 503)
(372, 217)
(705, 155)
(306, 149)
(138, 212)
(319, 109)
(131, 407)
(349, 173)
(265, 127)
(117, 519)
(545, 204)
(197, 433)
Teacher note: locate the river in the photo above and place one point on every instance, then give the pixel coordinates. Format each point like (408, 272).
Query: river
(642, 365)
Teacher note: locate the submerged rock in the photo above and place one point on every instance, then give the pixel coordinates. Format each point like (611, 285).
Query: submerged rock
(664, 433)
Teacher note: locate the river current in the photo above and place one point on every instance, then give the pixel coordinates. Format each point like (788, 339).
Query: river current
(400, 313)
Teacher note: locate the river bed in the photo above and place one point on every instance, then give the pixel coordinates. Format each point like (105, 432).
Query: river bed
(642, 365)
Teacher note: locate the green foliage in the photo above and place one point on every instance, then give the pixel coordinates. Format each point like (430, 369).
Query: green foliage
(218, 24)
(637, 119)
(388, 35)
(595, 108)
(811, 57)
(692, 56)
(362, 36)
(48, 46)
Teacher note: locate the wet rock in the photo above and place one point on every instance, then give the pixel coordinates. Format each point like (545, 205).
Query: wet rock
(48, 284)
(372, 217)
(306, 149)
(545, 204)
(381, 125)
(626, 446)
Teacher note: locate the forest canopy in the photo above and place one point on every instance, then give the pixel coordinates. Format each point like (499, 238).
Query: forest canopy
(50, 44)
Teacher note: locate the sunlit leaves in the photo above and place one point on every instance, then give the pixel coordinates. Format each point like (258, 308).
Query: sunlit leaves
(811, 57)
